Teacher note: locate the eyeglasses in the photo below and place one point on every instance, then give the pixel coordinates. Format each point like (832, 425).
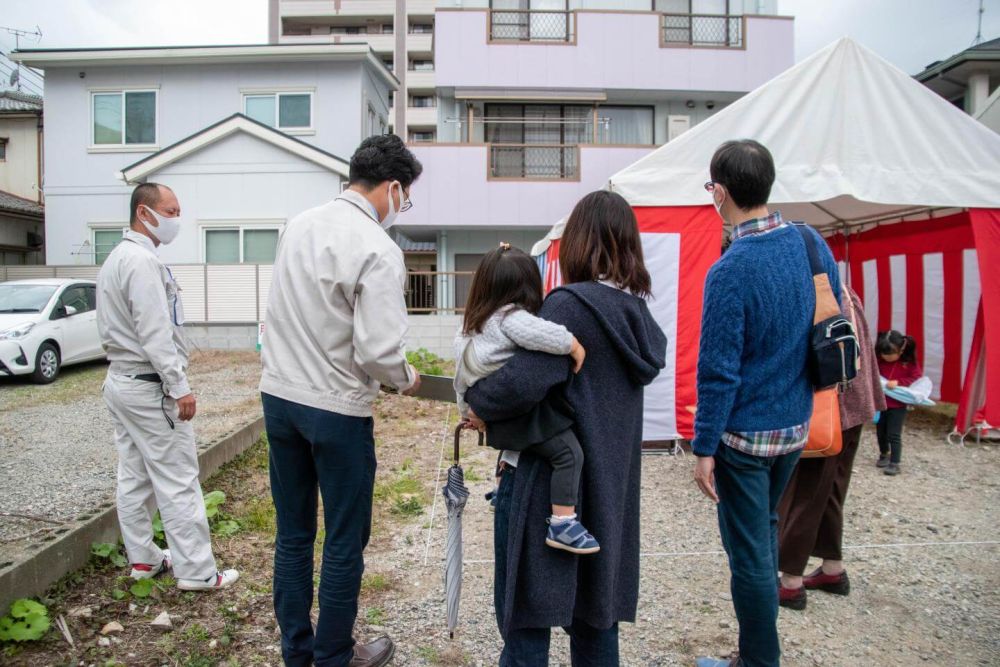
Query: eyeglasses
(710, 186)
(407, 204)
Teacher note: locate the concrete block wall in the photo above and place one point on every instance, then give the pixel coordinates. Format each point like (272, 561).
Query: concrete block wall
(436, 333)
(222, 336)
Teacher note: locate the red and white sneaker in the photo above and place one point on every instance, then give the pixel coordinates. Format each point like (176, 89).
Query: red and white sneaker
(144, 571)
(221, 579)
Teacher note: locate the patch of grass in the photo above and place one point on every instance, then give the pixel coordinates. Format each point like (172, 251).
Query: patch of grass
(259, 516)
(195, 633)
(404, 495)
(375, 616)
(375, 583)
(472, 475)
(429, 654)
(74, 383)
(408, 507)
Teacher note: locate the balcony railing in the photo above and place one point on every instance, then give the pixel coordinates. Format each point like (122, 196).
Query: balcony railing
(532, 26)
(710, 30)
(437, 292)
(543, 162)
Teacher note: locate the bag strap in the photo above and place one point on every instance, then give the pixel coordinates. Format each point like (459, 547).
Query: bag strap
(815, 263)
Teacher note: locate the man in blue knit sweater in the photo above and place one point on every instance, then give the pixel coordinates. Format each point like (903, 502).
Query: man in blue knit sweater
(754, 395)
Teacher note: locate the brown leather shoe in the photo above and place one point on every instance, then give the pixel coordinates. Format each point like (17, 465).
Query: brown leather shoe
(376, 654)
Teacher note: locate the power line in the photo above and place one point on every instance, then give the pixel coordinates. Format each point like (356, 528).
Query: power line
(23, 68)
(35, 88)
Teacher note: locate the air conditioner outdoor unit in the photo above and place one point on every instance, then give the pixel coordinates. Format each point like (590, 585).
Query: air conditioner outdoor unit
(35, 240)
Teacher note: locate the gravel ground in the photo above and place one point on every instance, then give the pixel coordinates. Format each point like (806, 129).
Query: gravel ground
(927, 601)
(57, 454)
(922, 553)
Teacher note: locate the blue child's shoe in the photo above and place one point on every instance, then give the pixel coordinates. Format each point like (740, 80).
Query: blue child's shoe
(571, 536)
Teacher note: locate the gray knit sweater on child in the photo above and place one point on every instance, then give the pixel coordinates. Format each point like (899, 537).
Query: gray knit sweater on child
(507, 330)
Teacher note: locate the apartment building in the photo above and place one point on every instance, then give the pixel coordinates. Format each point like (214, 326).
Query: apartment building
(517, 108)
(408, 52)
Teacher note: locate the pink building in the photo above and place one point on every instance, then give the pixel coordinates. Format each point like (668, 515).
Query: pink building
(537, 102)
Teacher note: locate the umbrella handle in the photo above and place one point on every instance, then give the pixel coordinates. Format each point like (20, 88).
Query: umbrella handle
(458, 440)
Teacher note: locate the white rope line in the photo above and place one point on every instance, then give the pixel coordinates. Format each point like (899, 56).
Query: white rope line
(430, 525)
(897, 545)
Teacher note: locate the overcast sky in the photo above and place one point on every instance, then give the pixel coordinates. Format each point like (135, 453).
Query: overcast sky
(909, 33)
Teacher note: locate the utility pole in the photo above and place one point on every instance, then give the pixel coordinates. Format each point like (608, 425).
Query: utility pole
(400, 64)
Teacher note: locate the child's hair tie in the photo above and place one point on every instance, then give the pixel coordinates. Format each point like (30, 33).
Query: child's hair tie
(504, 246)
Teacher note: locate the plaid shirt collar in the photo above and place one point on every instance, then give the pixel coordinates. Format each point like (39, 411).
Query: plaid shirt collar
(758, 225)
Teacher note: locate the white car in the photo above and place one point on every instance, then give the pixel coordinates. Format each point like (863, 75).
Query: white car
(47, 324)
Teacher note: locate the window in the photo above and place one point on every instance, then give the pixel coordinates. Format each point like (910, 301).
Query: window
(421, 137)
(3, 148)
(422, 65)
(241, 245)
(346, 30)
(105, 241)
(80, 297)
(625, 125)
(124, 118)
(422, 101)
(421, 28)
(386, 28)
(284, 111)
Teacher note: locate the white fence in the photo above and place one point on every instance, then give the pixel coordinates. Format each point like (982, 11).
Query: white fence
(212, 293)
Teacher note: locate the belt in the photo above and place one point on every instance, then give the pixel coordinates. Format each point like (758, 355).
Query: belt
(149, 377)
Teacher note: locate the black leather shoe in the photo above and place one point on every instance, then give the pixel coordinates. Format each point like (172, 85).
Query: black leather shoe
(376, 654)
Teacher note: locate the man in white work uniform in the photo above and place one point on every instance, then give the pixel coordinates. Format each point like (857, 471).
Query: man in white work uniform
(336, 318)
(140, 318)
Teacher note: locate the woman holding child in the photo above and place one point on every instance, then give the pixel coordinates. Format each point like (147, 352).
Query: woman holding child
(534, 398)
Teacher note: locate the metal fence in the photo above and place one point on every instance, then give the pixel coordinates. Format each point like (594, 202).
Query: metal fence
(535, 161)
(716, 30)
(237, 293)
(532, 26)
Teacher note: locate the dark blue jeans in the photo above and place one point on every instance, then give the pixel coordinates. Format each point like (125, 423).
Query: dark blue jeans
(529, 647)
(319, 452)
(750, 488)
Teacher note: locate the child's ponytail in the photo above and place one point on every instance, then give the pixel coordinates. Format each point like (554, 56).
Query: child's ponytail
(909, 353)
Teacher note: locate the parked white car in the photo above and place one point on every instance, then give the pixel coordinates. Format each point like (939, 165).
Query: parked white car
(47, 324)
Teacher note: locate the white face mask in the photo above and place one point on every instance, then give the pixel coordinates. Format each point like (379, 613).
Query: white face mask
(390, 218)
(168, 227)
(718, 205)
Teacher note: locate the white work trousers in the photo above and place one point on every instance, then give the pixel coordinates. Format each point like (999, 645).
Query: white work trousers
(158, 468)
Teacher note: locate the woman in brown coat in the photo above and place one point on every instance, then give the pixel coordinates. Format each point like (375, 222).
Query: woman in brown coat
(811, 513)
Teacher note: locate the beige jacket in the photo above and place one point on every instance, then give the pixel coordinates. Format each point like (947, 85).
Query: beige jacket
(336, 312)
(140, 316)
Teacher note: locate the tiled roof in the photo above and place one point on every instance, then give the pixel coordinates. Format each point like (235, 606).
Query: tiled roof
(406, 244)
(12, 101)
(15, 204)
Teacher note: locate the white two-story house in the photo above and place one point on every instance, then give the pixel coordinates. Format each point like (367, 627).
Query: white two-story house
(247, 136)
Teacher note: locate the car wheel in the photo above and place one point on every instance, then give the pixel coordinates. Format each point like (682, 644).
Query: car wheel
(47, 364)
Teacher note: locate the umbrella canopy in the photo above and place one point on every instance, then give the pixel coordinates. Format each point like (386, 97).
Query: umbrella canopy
(456, 494)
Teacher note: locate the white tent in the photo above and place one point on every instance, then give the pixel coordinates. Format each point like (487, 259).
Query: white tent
(859, 146)
(853, 137)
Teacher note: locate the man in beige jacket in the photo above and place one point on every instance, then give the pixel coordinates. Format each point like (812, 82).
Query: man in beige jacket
(336, 318)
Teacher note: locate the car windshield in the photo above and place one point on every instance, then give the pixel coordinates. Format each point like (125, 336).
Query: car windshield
(24, 298)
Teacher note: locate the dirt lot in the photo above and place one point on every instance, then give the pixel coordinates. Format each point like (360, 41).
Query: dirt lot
(57, 453)
(922, 558)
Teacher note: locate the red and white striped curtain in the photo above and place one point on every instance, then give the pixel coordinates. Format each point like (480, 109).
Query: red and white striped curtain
(920, 278)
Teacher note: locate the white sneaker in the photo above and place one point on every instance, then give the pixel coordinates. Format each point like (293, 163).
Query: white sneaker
(144, 571)
(222, 579)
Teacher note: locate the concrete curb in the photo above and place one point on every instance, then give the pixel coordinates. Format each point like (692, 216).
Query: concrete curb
(68, 549)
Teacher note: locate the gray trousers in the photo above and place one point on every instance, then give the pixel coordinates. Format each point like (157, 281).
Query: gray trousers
(158, 468)
(564, 454)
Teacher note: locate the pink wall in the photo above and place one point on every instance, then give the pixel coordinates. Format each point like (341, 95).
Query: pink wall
(613, 51)
(454, 191)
